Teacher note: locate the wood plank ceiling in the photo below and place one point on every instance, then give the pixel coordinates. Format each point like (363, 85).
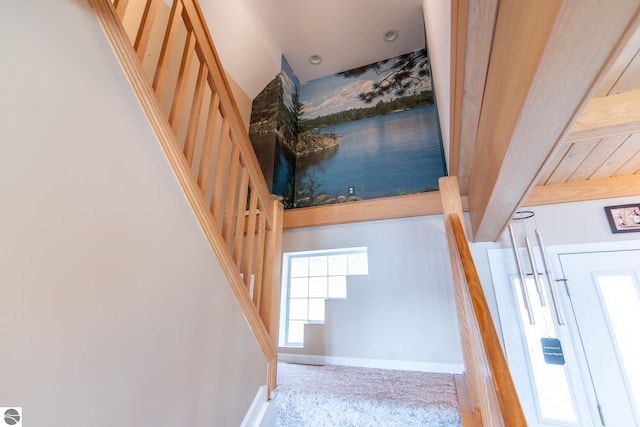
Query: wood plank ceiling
(546, 104)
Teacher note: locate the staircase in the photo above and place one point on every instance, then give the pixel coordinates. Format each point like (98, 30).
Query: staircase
(169, 58)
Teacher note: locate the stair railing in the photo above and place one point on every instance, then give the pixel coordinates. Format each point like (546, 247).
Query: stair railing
(173, 67)
(491, 390)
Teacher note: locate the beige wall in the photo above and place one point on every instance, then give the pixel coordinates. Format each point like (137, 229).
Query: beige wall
(403, 310)
(113, 308)
(437, 18)
(246, 48)
(243, 101)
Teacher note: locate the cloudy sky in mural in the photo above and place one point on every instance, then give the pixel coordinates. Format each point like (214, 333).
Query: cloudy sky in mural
(334, 93)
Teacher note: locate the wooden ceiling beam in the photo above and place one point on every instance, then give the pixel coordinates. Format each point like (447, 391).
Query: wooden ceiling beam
(608, 116)
(547, 60)
(591, 189)
(459, 14)
(471, 37)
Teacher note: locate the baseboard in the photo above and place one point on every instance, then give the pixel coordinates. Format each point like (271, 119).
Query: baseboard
(403, 365)
(262, 412)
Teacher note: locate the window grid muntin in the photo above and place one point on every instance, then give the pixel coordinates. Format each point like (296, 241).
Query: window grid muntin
(323, 262)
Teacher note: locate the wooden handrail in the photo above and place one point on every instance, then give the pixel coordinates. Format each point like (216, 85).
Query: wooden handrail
(184, 91)
(491, 387)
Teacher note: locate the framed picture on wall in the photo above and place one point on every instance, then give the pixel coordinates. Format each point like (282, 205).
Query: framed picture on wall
(624, 218)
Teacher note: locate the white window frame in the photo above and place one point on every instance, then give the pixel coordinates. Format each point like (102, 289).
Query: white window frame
(286, 287)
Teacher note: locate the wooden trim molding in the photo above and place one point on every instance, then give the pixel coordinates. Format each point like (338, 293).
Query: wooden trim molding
(591, 189)
(426, 203)
(481, 19)
(459, 14)
(366, 210)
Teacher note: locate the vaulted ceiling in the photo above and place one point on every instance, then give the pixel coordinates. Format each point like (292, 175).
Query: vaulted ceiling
(346, 34)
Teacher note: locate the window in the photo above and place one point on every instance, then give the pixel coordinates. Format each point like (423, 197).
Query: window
(621, 301)
(310, 279)
(550, 381)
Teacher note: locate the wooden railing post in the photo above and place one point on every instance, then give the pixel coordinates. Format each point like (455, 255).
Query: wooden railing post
(269, 307)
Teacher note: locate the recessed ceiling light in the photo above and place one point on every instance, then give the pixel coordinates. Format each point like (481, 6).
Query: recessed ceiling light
(315, 59)
(390, 35)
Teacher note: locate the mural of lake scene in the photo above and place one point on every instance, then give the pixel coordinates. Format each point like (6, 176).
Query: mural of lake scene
(365, 133)
(380, 156)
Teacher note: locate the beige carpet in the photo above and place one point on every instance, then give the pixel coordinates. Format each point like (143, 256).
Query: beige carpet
(337, 396)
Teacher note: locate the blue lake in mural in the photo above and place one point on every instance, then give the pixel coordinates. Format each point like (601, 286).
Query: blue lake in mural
(381, 156)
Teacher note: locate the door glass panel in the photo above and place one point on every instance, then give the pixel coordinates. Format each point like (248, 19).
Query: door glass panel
(622, 305)
(550, 381)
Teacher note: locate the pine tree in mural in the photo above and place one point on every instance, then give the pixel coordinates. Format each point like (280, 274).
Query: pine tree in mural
(295, 130)
(398, 75)
(310, 192)
(298, 122)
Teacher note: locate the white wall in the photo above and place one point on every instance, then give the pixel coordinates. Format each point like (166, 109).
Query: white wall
(560, 224)
(246, 48)
(437, 18)
(403, 310)
(113, 308)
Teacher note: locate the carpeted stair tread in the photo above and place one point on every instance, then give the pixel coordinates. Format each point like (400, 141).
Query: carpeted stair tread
(328, 396)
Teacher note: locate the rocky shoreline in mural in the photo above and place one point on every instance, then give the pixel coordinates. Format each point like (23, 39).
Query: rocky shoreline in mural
(305, 201)
(301, 146)
(312, 143)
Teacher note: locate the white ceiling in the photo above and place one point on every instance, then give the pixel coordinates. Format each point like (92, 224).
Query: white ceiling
(346, 33)
(251, 36)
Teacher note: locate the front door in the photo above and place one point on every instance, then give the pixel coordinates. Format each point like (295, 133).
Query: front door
(539, 349)
(603, 293)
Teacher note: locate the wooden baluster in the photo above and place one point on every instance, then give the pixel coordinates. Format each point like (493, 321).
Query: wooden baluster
(209, 141)
(121, 8)
(196, 107)
(262, 237)
(232, 185)
(249, 249)
(183, 77)
(221, 167)
(167, 48)
(144, 31)
(241, 210)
